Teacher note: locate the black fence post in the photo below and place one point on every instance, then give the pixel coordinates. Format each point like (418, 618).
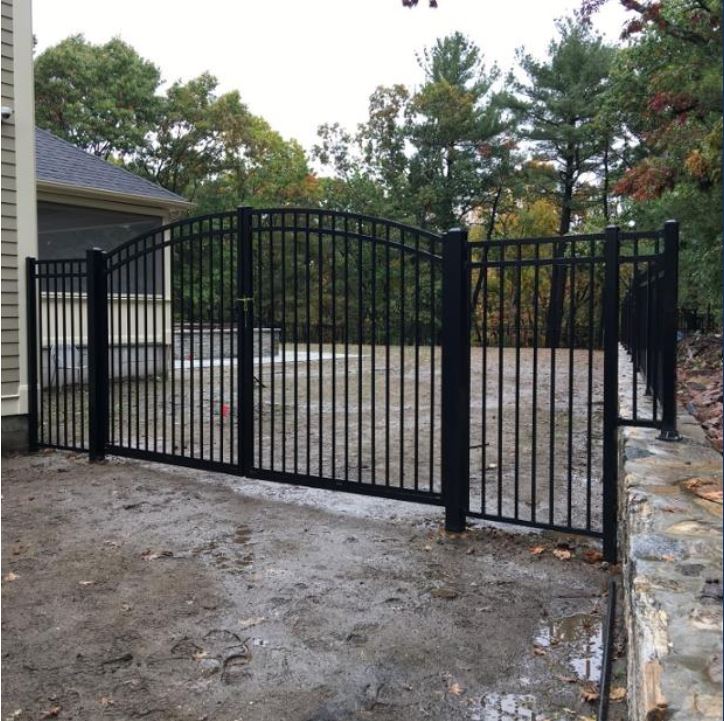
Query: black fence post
(245, 330)
(669, 301)
(32, 345)
(610, 393)
(97, 295)
(455, 378)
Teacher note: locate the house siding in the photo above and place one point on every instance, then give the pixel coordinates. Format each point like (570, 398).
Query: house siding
(9, 282)
(19, 237)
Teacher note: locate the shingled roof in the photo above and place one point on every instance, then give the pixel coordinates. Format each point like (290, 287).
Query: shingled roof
(59, 162)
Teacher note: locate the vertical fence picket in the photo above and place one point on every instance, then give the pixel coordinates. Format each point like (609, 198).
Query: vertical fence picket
(610, 392)
(97, 353)
(455, 379)
(669, 304)
(32, 345)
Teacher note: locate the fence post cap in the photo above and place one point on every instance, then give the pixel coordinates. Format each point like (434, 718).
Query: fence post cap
(456, 231)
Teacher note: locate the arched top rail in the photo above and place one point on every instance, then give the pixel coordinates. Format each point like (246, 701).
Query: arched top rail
(343, 215)
(168, 229)
(355, 226)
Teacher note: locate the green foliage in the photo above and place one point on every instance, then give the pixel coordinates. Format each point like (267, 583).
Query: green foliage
(455, 122)
(589, 134)
(668, 86)
(558, 106)
(99, 97)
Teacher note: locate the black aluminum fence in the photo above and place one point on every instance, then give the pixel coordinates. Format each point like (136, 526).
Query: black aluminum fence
(537, 402)
(353, 353)
(58, 357)
(648, 326)
(692, 320)
(354, 398)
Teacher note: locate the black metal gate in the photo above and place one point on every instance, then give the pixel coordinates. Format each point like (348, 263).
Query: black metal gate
(353, 353)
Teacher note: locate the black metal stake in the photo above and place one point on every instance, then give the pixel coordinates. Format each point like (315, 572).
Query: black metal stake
(455, 379)
(97, 353)
(668, 331)
(610, 392)
(245, 350)
(32, 342)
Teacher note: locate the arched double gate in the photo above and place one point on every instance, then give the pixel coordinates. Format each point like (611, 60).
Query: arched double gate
(353, 353)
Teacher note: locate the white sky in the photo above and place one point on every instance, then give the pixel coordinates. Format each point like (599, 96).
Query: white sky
(299, 63)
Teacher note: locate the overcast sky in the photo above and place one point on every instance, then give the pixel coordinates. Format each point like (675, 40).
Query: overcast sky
(299, 63)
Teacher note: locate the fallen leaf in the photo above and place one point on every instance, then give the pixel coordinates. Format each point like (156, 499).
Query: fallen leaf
(106, 701)
(589, 693)
(567, 679)
(562, 554)
(455, 689)
(249, 622)
(10, 576)
(126, 607)
(198, 655)
(52, 712)
(444, 592)
(592, 555)
(537, 550)
(539, 650)
(470, 551)
(86, 583)
(618, 693)
(427, 548)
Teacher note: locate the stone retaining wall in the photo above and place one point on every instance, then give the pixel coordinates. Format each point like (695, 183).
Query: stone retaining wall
(672, 552)
(197, 342)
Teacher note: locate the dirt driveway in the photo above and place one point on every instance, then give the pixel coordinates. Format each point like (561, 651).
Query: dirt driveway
(135, 591)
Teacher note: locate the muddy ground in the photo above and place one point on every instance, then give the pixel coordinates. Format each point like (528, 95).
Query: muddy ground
(135, 591)
(374, 417)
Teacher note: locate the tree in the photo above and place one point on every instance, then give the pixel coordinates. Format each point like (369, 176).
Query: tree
(455, 123)
(370, 168)
(99, 97)
(558, 106)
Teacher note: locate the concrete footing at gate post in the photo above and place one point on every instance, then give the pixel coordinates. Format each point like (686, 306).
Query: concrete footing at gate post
(671, 548)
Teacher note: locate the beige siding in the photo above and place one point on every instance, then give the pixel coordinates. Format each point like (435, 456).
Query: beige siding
(17, 197)
(9, 283)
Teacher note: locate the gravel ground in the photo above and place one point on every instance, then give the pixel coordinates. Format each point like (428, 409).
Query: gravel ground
(135, 590)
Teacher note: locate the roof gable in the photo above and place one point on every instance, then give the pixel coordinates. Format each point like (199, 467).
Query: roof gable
(58, 161)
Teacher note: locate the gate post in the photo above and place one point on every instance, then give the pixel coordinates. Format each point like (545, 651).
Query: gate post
(97, 295)
(32, 342)
(455, 378)
(244, 350)
(669, 301)
(610, 392)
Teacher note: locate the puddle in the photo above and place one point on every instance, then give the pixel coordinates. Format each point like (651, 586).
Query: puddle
(577, 640)
(506, 707)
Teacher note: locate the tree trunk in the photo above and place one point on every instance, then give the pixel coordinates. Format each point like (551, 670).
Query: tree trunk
(488, 236)
(559, 272)
(605, 183)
